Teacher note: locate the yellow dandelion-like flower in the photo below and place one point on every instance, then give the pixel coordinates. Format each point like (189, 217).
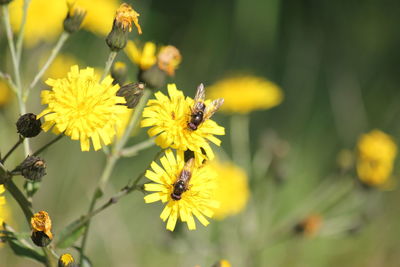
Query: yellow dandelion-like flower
(232, 188)
(197, 198)
(376, 155)
(143, 57)
(45, 18)
(244, 94)
(5, 94)
(168, 118)
(83, 108)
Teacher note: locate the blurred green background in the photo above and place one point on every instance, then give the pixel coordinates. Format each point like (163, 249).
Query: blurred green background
(338, 65)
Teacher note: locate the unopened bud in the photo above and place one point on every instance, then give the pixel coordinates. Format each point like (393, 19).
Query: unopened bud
(118, 73)
(66, 260)
(122, 25)
(153, 77)
(132, 93)
(41, 229)
(33, 168)
(28, 125)
(74, 18)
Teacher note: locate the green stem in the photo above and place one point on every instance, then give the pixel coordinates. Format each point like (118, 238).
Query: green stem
(15, 61)
(20, 140)
(40, 150)
(109, 63)
(134, 150)
(24, 204)
(241, 141)
(22, 30)
(54, 52)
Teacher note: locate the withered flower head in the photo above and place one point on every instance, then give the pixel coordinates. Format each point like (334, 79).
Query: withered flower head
(33, 168)
(41, 229)
(66, 260)
(132, 93)
(168, 59)
(75, 17)
(124, 17)
(28, 126)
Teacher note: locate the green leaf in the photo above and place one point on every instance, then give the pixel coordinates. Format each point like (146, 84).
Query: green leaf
(22, 250)
(70, 234)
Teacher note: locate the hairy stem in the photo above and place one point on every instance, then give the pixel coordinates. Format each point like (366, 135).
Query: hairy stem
(109, 63)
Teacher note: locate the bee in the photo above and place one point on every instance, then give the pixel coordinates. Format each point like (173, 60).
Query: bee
(200, 112)
(182, 184)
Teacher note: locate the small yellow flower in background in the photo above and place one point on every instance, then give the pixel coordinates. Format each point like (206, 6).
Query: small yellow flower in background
(376, 155)
(83, 108)
(196, 201)
(124, 17)
(45, 18)
(244, 94)
(143, 57)
(168, 59)
(41, 222)
(168, 118)
(222, 263)
(59, 67)
(3, 208)
(66, 260)
(5, 93)
(232, 189)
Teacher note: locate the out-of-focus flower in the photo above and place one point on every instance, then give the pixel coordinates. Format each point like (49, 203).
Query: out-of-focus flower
(45, 18)
(3, 208)
(376, 154)
(232, 189)
(222, 263)
(310, 226)
(82, 107)
(168, 59)
(5, 94)
(168, 118)
(122, 25)
(66, 260)
(244, 94)
(59, 67)
(144, 57)
(185, 200)
(41, 229)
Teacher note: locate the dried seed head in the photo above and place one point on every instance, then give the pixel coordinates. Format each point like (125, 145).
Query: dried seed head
(66, 260)
(33, 168)
(28, 126)
(132, 93)
(75, 17)
(41, 229)
(118, 73)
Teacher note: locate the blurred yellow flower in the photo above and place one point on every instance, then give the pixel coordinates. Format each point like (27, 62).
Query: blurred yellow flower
(244, 94)
(82, 107)
(60, 66)
(376, 155)
(232, 188)
(196, 200)
(169, 118)
(143, 57)
(45, 18)
(5, 93)
(222, 263)
(3, 208)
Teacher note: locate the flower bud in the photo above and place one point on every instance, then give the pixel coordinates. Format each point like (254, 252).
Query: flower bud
(41, 229)
(4, 2)
(122, 25)
(33, 168)
(132, 93)
(28, 126)
(66, 260)
(153, 77)
(118, 73)
(74, 18)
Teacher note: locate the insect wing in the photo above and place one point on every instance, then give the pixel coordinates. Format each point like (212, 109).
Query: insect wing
(213, 107)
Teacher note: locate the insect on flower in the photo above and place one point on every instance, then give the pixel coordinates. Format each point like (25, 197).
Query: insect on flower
(200, 112)
(182, 184)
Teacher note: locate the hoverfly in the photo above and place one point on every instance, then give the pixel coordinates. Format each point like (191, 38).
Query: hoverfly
(200, 112)
(182, 184)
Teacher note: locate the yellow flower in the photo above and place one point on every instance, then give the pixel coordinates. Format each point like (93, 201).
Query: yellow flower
(222, 263)
(3, 208)
(196, 201)
(41, 222)
(45, 18)
(244, 94)
(60, 66)
(168, 59)
(232, 191)
(66, 260)
(83, 108)
(169, 118)
(124, 17)
(5, 93)
(376, 154)
(145, 57)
